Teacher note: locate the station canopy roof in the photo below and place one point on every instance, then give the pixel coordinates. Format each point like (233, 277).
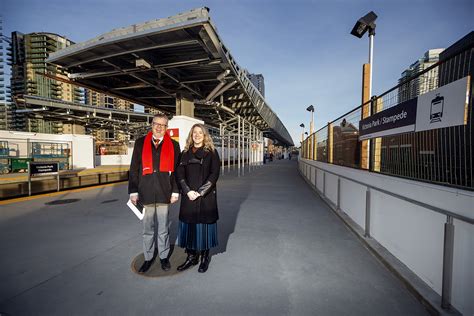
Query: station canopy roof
(182, 56)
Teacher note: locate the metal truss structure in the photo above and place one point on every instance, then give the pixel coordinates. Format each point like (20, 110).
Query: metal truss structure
(91, 117)
(157, 62)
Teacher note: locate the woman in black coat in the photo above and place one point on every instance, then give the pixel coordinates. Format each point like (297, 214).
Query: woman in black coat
(197, 175)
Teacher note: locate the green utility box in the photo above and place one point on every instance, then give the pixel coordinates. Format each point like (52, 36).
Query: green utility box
(19, 164)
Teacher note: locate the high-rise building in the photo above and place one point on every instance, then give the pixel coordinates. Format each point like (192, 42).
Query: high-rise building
(259, 82)
(424, 83)
(5, 98)
(31, 76)
(102, 100)
(28, 60)
(29, 53)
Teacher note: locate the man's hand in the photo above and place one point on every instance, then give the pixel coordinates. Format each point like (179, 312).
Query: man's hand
(174, 199)
(134, 199)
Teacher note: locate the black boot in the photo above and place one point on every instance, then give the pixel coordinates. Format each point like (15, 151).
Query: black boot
(145, 266)
(191, 260)
(204, 261)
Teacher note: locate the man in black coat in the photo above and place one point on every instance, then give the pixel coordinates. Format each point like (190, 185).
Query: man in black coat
(152, 183)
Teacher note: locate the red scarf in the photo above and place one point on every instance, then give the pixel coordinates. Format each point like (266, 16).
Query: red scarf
(166, 156)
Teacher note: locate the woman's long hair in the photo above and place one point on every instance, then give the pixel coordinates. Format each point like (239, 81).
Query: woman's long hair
(208, 144)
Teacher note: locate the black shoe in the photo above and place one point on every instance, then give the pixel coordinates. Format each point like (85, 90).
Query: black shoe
(191, 260)
(204, 261)
(165, 264)
(145, 266)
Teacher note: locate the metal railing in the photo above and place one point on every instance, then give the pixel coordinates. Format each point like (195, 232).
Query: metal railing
(442, 156)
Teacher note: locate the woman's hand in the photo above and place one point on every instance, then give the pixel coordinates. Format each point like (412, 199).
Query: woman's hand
(192, 195)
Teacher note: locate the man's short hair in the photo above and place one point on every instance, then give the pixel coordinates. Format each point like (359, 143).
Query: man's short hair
(160, 115)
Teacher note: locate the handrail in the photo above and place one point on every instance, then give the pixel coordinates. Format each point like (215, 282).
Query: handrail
(422, 204)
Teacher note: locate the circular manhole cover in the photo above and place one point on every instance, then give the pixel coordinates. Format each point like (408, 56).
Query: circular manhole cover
(59, 202)
(177, 257)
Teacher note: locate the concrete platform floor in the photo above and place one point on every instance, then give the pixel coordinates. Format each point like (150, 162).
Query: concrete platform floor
(282, 252)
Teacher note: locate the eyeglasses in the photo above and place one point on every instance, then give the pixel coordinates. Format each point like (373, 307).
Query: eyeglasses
(160, 125)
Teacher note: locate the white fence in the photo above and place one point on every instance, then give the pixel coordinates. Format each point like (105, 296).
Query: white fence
(409, 219)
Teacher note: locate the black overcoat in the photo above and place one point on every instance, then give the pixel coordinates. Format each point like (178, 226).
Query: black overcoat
(158, 186)
(199, 171)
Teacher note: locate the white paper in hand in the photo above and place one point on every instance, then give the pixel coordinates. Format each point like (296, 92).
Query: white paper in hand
(138, 209)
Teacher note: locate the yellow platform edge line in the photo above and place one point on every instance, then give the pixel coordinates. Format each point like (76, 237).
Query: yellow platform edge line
(33, 197)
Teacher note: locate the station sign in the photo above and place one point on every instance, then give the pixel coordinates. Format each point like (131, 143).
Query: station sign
(43, 168)
(395, 120)
(442, 107)
(37, 169)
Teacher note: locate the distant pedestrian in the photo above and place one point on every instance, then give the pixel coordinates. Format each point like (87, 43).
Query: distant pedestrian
(152, 182)
(197, 175)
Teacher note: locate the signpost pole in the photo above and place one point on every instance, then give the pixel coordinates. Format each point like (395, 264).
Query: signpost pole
(29, 179)
(57, 174)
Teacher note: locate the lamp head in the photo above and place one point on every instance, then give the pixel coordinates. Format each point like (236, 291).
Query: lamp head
(310, 108)
(364, 24)
(302, 125)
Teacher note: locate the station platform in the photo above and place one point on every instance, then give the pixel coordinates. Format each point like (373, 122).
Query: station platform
(282, 251)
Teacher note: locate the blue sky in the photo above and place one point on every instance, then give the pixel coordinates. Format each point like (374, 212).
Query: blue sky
(303, 48)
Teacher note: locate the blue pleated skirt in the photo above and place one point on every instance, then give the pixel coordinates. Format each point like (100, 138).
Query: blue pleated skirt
(197, 236)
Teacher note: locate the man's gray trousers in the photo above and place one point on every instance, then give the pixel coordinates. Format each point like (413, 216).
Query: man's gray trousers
(156, 215)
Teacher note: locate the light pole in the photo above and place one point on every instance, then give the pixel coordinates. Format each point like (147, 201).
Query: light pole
(364, 24)
(311, 125)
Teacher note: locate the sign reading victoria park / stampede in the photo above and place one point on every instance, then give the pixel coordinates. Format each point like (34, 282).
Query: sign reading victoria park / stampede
(43, 168)
(395, 120)
(442, 107)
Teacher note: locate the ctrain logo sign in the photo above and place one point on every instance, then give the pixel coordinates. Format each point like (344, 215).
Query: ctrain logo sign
(443, 107)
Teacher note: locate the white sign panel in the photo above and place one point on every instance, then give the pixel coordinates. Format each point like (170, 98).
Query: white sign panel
(443, 107)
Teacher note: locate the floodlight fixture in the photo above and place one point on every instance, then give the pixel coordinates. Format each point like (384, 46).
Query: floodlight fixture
(364, 24)
(302, 132)
(142, 64)
(311, 124)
